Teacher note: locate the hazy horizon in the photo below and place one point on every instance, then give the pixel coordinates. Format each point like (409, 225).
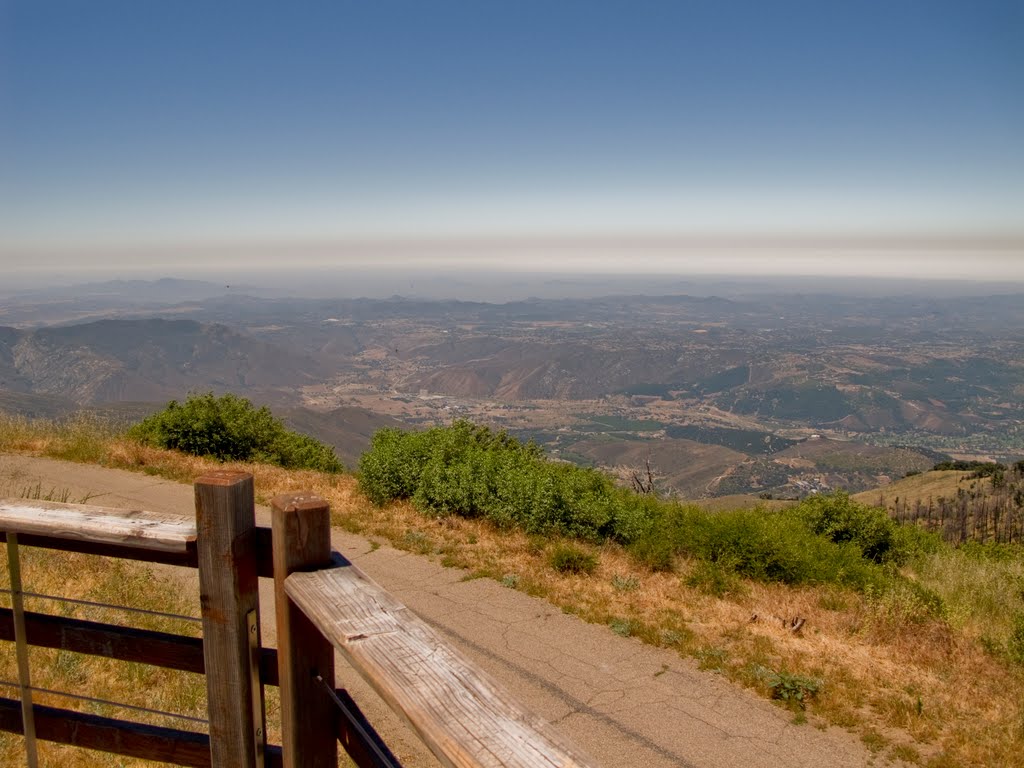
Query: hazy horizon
(487, 285)
(991, 261)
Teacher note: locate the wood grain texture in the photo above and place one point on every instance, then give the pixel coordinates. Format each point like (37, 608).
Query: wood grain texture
(462, 715)
(225, 519)
(84, 522)
(301, 542)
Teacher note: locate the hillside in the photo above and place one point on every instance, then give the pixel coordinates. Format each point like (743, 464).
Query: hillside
(682, 466)
(727, 462)
(983, 504)
(148, 360)
(935, 485)
(35, 406)
(346, 429)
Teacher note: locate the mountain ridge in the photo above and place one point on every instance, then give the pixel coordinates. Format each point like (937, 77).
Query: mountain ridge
(148, 359)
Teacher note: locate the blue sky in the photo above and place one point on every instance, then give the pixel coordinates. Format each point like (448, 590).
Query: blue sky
(202, 129)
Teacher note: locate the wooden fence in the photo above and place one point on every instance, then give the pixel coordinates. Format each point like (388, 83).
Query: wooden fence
(323, 604)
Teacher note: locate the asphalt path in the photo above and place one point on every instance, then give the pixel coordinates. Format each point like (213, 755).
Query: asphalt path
(623, 702)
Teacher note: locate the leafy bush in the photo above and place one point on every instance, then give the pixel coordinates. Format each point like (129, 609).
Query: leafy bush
(569, 559)
(391, 468)
(899, 602)
(471, 471)
(714, 579)
(669, 531)
(878, 537)
(625, 583)
(776, 546)
(794, 690)
(231, 428)
(622, 627)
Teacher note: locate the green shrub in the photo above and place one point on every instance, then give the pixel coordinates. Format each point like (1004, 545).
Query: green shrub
(757, 544)
(622, 627)
(778, 546)
(471, 471)
(794, 690)
(230, 428)
(878, 537)
(625, 583)
(669, 532)
(901, 602)
(569, 559)
(467, 470)
(390, 469)
(714, 579)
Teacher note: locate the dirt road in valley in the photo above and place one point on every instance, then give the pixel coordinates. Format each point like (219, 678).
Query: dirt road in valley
(625, 703)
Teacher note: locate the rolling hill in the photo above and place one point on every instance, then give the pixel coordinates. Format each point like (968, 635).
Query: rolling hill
(149, 360)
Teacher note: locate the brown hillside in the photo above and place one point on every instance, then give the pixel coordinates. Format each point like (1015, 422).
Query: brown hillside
(684, 465)
(921, 487)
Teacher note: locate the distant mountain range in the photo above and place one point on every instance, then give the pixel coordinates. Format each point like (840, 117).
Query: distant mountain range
(724, 394)
(151, 359)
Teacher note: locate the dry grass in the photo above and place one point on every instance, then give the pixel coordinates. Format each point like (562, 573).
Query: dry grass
(927, 485)
(929, 692)
(741, 501)
(114, 582)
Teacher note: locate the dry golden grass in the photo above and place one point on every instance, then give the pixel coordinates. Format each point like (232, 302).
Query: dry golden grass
(926, 485)
(741, 501)
(114, 582)
(925, 692)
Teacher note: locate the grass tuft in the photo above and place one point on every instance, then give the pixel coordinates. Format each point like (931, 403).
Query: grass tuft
(566, 558)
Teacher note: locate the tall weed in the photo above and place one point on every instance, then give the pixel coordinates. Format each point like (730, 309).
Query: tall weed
(981, 586)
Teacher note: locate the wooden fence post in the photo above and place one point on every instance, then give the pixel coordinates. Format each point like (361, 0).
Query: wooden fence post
(302, 542)
(228, 587)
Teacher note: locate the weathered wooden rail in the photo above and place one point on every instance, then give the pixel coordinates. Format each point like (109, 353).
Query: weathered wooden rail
(323, 604)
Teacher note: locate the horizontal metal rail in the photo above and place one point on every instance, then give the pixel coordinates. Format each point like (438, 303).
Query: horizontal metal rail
(92, 604)
(107, 702)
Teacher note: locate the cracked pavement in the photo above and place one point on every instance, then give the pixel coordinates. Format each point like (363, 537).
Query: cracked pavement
(624, 703)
